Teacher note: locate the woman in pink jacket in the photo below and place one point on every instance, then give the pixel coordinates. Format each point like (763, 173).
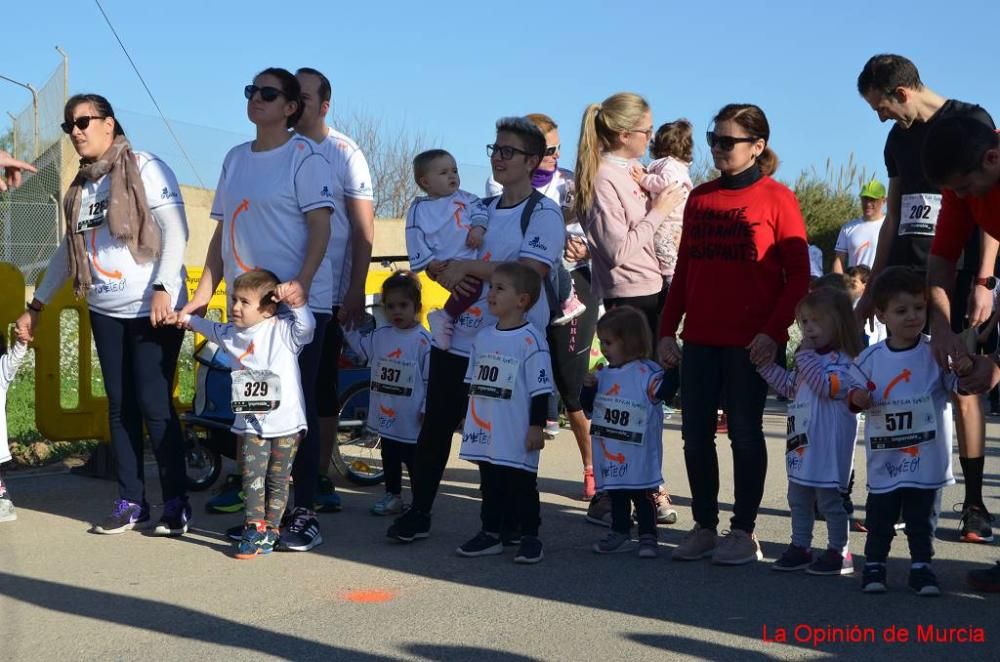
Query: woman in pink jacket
(617, 214)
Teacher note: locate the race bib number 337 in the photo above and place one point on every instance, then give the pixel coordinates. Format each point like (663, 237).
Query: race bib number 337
(394, 377)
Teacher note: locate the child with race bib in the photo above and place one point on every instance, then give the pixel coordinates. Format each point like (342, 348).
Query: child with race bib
(819, 449)
(398, 355)
(626, 428)
(509, 379)
(266, 396)
(446, 224)
(9, 363)
(907, 430)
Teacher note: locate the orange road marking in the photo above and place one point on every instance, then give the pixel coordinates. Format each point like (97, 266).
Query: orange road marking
(369, 596)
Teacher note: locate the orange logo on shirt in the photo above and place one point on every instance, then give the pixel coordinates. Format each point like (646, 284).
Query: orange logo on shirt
(386, 411)
(301, 146)
(912, 451)
(247, 353)
(614, 390)
(244, 206)
(617, 458)
(458, 215)
(901, 377)
(396, 354)
(475, 417)
(475, 311)
(116, 275)
(488, 256)
(861, 249)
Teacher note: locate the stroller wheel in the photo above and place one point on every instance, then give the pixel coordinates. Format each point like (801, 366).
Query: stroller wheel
(203, 464)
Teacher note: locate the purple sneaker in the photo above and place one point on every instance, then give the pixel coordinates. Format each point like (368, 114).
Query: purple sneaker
(175, 518)
(125, 516)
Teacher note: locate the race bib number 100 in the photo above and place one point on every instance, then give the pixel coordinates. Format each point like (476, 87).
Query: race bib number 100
(494, 376)
(918, 214)
(255, 391)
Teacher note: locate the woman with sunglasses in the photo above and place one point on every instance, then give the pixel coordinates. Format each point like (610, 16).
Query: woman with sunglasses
(273, 204)
(617, 215)
(514, 157)
(570, 341)
(124, 248)
(742, 266)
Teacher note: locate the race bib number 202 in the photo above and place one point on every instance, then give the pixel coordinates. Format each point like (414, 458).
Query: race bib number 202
(918, 214)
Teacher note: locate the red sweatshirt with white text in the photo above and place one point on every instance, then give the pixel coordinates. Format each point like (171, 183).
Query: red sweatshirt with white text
(742, 266)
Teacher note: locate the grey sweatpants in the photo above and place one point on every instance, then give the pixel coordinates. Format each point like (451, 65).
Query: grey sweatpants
(831, 505)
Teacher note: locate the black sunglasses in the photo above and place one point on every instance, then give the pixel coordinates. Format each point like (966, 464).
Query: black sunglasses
(726, 143)
(506, 152)
(268, 94)
(81, 122)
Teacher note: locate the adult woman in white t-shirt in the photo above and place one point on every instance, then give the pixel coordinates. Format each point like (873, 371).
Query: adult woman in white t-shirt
(515, 155)
(124, 247)
(569, 343)
(273, 204)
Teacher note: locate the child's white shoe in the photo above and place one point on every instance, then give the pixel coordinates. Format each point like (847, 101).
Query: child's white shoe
(390, 504)
(442, 327)
(7, 511)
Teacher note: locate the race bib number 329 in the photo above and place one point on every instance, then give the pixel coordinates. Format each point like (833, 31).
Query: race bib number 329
(255, 391)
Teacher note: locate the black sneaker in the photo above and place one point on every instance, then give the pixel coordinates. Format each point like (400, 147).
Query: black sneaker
(175, 519)
(923, 582)
(873, 578)
(530, 550)
(975, 525)
(511, 538)
(483, 544)
(792, 559)
(831, 562)
(986, 580)
(302, 533)
(411, 525)
(125, 516)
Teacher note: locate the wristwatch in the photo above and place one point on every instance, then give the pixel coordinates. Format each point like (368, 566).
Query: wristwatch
(990, 282)
(37, 308)
(158, 287)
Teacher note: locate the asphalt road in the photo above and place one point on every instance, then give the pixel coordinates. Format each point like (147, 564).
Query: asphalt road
(66, 594)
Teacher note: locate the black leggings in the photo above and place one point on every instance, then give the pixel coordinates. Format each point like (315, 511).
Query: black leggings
(570, 344)
(645, 510)
(648, 305)
(327, 387)
(138, 363)
(510, 496)
(394, 455)
(305, 470)
(447, 402)
(916, 506)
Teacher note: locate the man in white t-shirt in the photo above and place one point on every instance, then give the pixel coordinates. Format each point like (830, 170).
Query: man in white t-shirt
(858, 239)
(348, 256)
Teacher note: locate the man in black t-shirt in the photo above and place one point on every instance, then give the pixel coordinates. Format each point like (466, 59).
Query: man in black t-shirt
(892, 87)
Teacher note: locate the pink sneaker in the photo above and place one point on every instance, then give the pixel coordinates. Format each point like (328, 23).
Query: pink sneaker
(442, 327)
(571, 309)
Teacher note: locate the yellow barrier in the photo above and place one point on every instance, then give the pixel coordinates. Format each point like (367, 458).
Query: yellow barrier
(89, 418)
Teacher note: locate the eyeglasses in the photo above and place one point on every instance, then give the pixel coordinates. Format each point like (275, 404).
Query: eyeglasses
(551, 151)
(726, 143)
(81, 123)
(646, 132)
(268, 94)
(506, 152)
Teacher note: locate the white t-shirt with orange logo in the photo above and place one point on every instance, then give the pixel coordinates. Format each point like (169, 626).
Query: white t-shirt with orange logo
(272, 345)
(506, 370)
(399, 361)
(542, 241)
(351, 179)
(858, 240)
(437, 228)
(908, 430)
(626, 427)
(262, 199)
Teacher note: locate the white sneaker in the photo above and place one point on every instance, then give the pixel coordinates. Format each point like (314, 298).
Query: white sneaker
(441, 328)
(571, 309)
(390, 504)
(7, 511)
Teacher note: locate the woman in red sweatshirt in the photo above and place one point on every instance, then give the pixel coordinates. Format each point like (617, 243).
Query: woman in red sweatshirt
(743, 264)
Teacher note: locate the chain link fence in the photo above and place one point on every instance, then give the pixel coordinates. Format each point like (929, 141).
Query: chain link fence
(30, 226)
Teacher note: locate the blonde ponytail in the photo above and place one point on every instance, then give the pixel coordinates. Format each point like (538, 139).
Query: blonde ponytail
(599, 130)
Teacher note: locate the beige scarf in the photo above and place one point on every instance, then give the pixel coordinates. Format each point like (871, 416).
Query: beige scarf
(128, 217)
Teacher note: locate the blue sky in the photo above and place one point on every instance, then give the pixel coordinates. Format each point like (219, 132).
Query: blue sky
(449, 69)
